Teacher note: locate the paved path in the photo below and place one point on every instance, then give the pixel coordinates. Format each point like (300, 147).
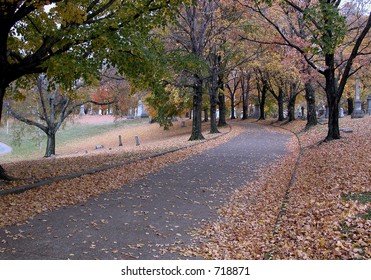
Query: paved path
(144, 219)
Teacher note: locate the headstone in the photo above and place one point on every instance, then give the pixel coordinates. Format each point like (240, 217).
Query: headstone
(298, 112)
(182, 124)
(341, 112)
(82, 110)
(100, 111)
(130, 113)
(369, 104)
(137, 140)
(142, 110)
(346, 130)
(357, 112)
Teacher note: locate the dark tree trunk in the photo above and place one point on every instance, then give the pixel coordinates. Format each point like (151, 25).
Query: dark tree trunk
(206, 114)
(4, 176)
(197, 113)
(222, 110)
(332, 100)
(213, 104)
(311, 105)
(50, 146)
(291, 111)
(291, 108)
(221, 102)
(232, 107)
(280, 104)
(245, 85)
(3, 86)
(262, 100)
(244, 106)
(350, 105)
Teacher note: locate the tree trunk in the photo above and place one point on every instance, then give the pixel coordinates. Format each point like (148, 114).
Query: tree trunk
(311, 105)
(245, 85)
(197, 113)
(222, 110)
(350, 105)
(213, 104)
(206, 114)
(3, 86)
(332, 99)
(291, 110)
(280, 104)
(262, 100)
(232, 107)
(244, 106)
(50, 146)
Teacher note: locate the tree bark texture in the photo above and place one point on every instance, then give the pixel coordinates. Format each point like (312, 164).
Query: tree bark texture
(213, 104)
(280, 104)
(264, 91)
(50, 145)
(197, 113)
(350, 105)
(332, 99)
(311, 105)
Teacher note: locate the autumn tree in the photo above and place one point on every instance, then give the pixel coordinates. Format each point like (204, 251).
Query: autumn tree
(326, 27)
(234, 87)
(51, 109)
(52, 36)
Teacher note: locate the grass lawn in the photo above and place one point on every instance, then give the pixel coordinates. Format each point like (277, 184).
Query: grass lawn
(29, 146)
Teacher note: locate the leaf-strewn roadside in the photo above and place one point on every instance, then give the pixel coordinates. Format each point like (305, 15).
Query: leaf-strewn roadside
(17, 208)
(314, 216)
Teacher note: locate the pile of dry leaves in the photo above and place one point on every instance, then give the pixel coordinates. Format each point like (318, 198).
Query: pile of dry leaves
(314, 204)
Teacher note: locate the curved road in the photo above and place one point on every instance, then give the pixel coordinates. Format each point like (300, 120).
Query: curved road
(144, 219)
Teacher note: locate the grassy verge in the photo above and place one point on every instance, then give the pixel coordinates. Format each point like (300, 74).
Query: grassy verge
(25, 140)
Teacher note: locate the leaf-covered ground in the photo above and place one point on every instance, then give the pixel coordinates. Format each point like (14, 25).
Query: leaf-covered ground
(81, 155)
(17, 208)
(313, 206)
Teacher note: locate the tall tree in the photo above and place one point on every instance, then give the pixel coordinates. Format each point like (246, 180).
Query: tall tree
(51, 36)
(50, 111)
(326, 26)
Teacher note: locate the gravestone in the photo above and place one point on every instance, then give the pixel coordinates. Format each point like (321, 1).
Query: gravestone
(369, 104)
(100, 111)
(82, 110)
(141, 110)
(137, 140)
(341, 112)
(299, 112)
(130, 113)
(357, 112)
